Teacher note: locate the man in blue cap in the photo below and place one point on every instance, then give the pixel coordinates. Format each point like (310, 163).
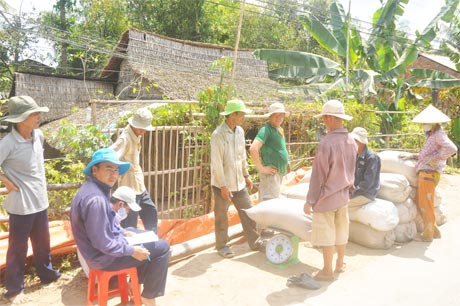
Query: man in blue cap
(99, 237)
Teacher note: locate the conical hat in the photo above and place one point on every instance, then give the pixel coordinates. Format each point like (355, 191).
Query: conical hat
(431, 115)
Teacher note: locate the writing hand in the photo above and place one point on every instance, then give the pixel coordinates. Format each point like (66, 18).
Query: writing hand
(140, 253)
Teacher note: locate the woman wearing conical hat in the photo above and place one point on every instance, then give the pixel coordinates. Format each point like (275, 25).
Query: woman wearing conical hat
(431, 162)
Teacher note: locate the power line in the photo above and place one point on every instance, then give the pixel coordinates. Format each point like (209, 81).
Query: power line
(89, 44)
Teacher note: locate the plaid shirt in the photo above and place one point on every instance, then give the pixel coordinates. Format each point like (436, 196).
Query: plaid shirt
(438, 148)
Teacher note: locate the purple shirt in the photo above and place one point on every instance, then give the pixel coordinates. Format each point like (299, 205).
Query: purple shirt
(333, 171)
(437, 149)
(98, 236)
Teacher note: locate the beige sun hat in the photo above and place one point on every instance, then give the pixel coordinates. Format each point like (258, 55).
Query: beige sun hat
(431, 115)
(20, 107)
(334, 108)
(142, 119)
(359, 134)
(276, 108)
(127, 195)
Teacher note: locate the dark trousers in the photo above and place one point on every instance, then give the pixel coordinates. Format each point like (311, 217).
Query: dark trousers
(21, 228)
(242, 201)
(148, 214)
(151, 273)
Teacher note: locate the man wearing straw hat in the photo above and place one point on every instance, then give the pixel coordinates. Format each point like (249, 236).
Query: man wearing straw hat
(431, 162)
(230, 178)
(269, 153)
(367, 172)
(332, 178)
(128, 148)
(21, 159)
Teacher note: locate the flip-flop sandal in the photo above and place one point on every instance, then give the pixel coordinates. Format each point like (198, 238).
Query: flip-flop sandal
(20, 299)
(226, 252)
(303, 280)
(421, 238)
(342, 269)
(323, 278)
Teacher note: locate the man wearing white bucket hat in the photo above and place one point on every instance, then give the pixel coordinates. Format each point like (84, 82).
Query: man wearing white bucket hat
(21, 160)
(230, 178)
(269, 153)
(367, 172)
(331, 180)
(431, 162)
(128, 148)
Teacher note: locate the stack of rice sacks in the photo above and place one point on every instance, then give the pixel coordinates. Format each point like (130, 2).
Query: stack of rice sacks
(372, 225)
(393, 216)
(398, 181)
(396, 202)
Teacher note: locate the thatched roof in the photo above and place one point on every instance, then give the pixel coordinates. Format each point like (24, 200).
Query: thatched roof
(180, 69)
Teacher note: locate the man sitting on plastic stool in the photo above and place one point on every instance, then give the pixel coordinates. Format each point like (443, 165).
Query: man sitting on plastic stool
(99, 237)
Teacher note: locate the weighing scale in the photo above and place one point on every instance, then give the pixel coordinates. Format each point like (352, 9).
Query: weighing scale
(282, 249)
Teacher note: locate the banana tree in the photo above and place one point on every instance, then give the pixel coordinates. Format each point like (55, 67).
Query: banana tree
(376, 62)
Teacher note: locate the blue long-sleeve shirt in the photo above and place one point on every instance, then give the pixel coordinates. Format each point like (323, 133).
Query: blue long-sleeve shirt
(367, 175)
(98, 236)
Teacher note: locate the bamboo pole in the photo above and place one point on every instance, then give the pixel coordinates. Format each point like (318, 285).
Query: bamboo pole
(237, 42)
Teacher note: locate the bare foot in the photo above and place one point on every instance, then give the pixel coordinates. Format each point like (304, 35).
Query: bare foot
(148, 302)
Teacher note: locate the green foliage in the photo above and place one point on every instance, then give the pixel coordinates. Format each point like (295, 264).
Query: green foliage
(62, 171)
(79, 144)
(17, 36)
(380, 60)
(212, 100)
(88, 27)
(164, 115)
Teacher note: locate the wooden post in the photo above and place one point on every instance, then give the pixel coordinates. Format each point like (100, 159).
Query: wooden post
(93, 112)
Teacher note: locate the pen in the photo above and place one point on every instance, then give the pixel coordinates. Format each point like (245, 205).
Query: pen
(148, 256)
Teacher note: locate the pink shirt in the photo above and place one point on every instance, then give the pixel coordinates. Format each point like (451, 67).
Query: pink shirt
(438, 148)
(333, 171)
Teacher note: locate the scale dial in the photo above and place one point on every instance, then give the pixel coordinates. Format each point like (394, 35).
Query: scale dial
(279, 249)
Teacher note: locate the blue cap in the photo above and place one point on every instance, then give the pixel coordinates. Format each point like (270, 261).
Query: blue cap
(106, 155)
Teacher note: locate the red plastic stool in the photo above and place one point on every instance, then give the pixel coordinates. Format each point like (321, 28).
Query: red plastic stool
(102, 278)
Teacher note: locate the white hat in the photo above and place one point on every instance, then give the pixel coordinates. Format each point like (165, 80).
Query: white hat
(334, 108)
(127, 195)
(431, 115)
(142, 119)
(276, 108)
(359, 134)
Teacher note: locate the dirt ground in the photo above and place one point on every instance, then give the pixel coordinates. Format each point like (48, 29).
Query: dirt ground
(415, 273)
